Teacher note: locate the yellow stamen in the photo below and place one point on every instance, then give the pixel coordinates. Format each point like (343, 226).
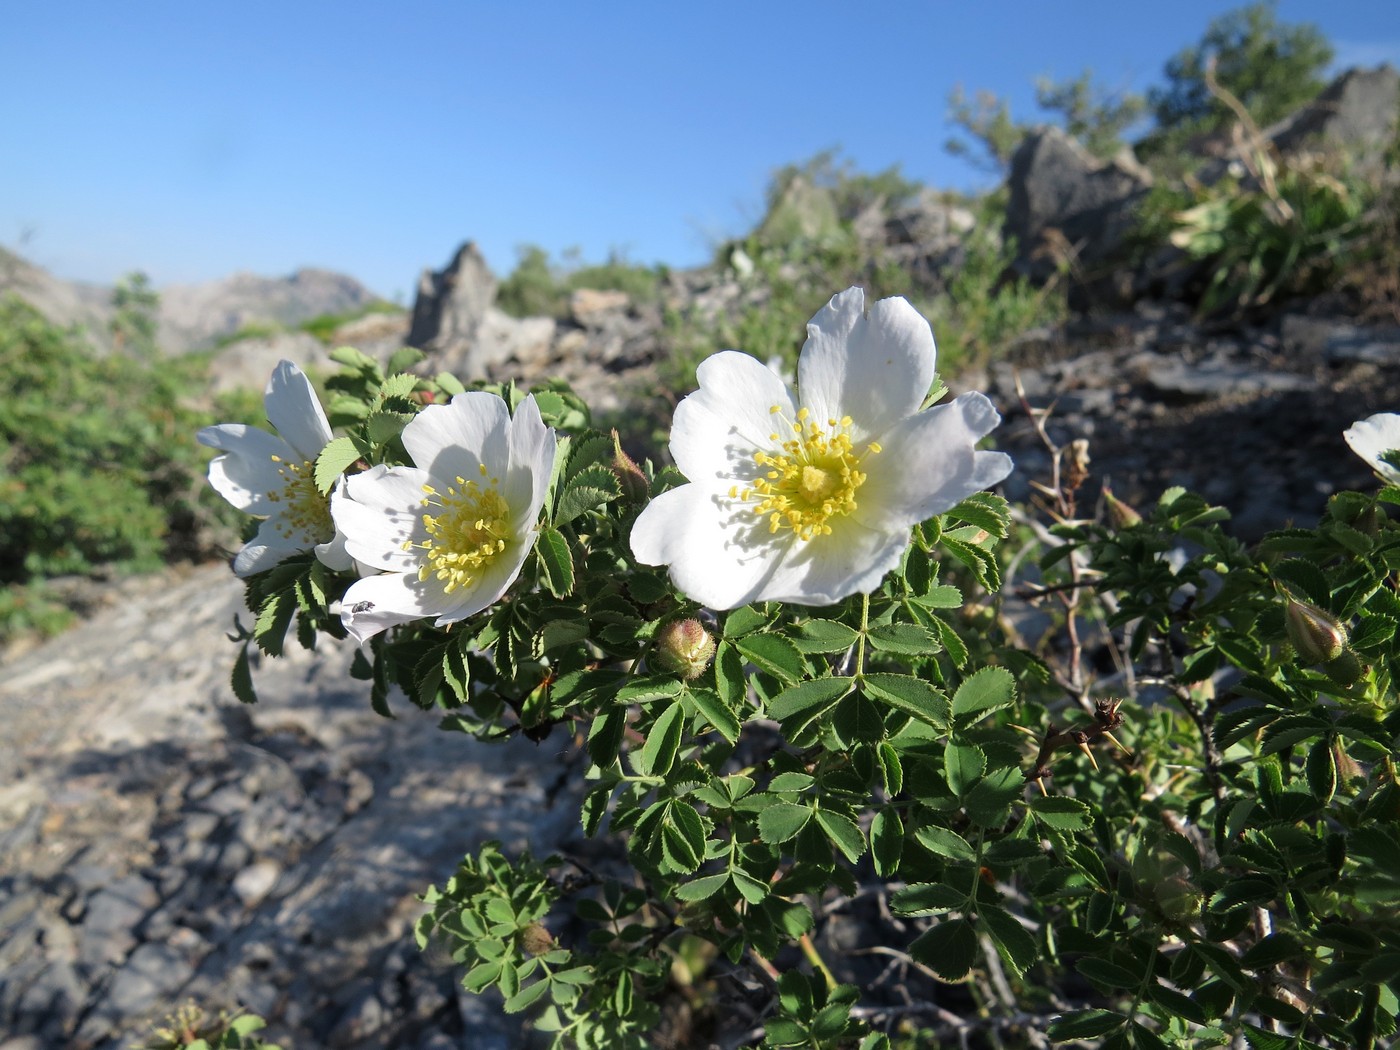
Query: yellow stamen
(810, 478)
(470, 531)
(305, 513)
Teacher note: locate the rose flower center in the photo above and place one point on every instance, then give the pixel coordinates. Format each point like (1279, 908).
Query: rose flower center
(303, 510)
(811, 478)
(468, 533)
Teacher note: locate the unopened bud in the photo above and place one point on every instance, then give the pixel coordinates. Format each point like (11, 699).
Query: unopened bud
(1346, 669)
(685, 648)
(630, 477)
(535, 939)
(1315, 634)
(1120, 514)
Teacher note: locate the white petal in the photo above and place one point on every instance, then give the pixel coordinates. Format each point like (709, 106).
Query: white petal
(717, 428)
(826, 569)
(494, 582)
(292, 407)
(928, 464)
(271, 547)
(876, 369)
(531, 462)
(379, 513)
(454, 440)
(376, 603)
(333, 554)
(1372, 437)
(246, 473)
(719, 556)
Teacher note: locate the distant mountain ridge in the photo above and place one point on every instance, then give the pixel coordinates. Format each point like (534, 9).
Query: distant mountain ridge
(192, 317)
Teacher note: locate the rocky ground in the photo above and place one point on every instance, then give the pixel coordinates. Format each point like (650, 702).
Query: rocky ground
(159, 841)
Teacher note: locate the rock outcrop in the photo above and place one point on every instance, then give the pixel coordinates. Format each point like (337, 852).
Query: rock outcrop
(452, 302)
(1065, 205)
(195, 316)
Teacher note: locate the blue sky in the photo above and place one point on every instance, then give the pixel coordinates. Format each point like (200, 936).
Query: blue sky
(191, 140)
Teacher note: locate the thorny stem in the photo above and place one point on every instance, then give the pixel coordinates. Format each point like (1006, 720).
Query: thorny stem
(1061, 492)
(1208, 749)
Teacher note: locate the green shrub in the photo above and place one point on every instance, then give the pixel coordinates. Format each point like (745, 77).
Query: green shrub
(324, 326)
(538, 288)
(97, 468)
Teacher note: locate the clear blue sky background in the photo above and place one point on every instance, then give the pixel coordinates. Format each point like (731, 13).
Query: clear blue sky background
(191, 140)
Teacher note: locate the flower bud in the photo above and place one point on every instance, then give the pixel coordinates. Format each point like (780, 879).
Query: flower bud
(535, 939)
(1120, 514)
(1315, 634)
(685, 648)
(630, 477)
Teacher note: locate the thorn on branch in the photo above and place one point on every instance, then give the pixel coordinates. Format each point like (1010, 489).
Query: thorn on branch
(1106, 719)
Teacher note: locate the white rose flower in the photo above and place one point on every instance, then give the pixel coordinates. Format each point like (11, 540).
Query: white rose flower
(272, 476)
(451, 532)
(809, 496)
(1371, 438)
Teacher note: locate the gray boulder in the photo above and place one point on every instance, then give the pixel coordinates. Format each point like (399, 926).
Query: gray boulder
(452, 302)
(1357, 111)
(1064, 202)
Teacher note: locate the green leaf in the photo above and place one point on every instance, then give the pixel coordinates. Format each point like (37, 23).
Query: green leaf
(946, 843)
(773, 653)
(1060, 812)
(1272, 950)
(1084, 1024)
(383, 427)
(702, 888)
(911, 695)
(987, 511)
(886, 842)
(605, 736)
(751, 889)
(988, 690)
(717, 713)
(808, 698)
(556, 562)
(1018, 946)
(963, 765)
(928, 898)
(782, 821)
(904, 639)
(981, 563)
(683, 837)
(891, 767)
(949, 949)
(658, 754)
(1322, 771)
(449, 384)
(791, 781)
(989, 802)
(843, 831)
(1010, 852)
(824, 636)
(273, 619)
(242, 678)
(526, 997)
(743, 620)
(338, 454)
(590, 488)
(1107, 973)
(957, 648)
